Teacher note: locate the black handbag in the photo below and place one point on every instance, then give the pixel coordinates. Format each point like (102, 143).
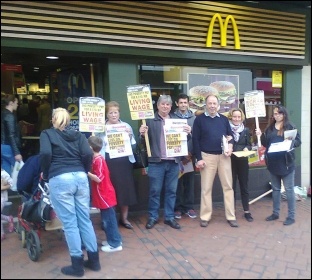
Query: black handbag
(36, 211)
(141, 158)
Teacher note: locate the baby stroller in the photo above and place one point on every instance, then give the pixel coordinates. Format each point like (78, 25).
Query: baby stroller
(34, 215)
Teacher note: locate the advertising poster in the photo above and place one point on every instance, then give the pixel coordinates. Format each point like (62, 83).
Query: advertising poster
(175, 137)
(225, 86)
(118, 140)
(73, 84)
(91, 114)
(140, 102)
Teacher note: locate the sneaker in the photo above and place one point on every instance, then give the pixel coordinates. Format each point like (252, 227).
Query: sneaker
(288, 222)
(105, 243)
(110, 249)
(191, 213)
(177, 214)
(248, 217)
(272, 218)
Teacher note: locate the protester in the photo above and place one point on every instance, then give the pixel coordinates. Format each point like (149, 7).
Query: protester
(240, 165)
(208, 130)
(281, 165)
(6, 183)
(121, 168)
(163, 171)
(104, 197)
(10, 133)
(65, 159)
(185, 191)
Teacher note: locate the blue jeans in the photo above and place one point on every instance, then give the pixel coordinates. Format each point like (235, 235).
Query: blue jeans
(110, 226)
(289, 182)
(185, 193)
(7, 158)
(70, 196)
(162, 174)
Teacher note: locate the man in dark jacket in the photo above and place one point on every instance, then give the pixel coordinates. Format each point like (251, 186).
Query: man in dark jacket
(163, 171)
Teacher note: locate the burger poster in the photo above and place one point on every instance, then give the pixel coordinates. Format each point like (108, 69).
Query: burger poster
(225, 86)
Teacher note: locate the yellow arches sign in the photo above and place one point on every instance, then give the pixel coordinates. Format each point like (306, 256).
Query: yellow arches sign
(223, 31)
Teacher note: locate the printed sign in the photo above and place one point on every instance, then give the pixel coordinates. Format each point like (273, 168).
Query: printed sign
(254, 104)
(140, 102)
(91, 114)
(118, 140)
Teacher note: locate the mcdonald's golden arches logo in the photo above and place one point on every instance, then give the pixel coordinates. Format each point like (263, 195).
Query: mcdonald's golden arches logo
(223, 31)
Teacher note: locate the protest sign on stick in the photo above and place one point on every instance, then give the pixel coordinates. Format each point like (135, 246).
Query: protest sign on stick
(255, 107)
(141, 106)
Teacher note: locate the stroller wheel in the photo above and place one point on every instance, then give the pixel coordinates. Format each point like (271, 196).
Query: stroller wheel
(33, 245)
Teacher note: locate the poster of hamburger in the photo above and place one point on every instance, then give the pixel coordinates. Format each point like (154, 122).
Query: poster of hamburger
(226, 87)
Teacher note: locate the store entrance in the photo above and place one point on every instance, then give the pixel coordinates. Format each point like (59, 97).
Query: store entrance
(42, 81)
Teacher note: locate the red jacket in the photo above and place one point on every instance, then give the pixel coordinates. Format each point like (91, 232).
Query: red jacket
(103, 194)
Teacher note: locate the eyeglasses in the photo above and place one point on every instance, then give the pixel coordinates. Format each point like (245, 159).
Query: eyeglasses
(275, 114)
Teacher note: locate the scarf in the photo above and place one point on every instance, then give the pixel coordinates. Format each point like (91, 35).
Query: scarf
(236, 130)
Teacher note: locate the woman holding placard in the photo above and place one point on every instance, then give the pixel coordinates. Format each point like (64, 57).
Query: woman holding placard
(121, 168)
(281, 164)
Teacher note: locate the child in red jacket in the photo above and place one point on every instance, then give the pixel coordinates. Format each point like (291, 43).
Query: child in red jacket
(104, 197)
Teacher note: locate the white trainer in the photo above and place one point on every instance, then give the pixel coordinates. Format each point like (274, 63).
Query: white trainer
(105, 243)
(109, 249)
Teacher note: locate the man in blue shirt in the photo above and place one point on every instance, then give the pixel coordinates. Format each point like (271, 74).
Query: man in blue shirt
(208, 130)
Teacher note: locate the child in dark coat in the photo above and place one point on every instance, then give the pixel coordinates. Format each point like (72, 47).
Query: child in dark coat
(104, 197)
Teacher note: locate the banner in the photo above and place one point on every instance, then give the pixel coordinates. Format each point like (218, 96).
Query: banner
(91, 114)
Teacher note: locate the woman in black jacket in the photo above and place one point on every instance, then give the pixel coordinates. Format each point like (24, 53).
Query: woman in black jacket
(10, 133)
(281, 165)
(240, 165)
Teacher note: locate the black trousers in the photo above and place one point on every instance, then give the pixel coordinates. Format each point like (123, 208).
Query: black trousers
(240, 172)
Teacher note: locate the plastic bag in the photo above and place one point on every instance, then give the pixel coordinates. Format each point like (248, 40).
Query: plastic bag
(17, 166)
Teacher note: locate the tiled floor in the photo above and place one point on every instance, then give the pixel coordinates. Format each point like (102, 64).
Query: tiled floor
(257, 250)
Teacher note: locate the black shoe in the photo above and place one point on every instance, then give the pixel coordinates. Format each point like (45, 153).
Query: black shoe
(248, 217)
(233, 223)
(150, 223)
(126, 225)
(288, 222)
(173, 223)
(204, 223)
(272, 218)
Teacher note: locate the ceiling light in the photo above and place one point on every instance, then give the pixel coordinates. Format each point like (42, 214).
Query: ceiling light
(52, 57)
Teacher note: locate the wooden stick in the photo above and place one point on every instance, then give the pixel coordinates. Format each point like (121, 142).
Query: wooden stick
(257, 198)
(258, 136)
(266, 193)
(148, 148)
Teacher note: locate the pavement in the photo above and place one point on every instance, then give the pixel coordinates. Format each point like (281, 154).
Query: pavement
(254, 250)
